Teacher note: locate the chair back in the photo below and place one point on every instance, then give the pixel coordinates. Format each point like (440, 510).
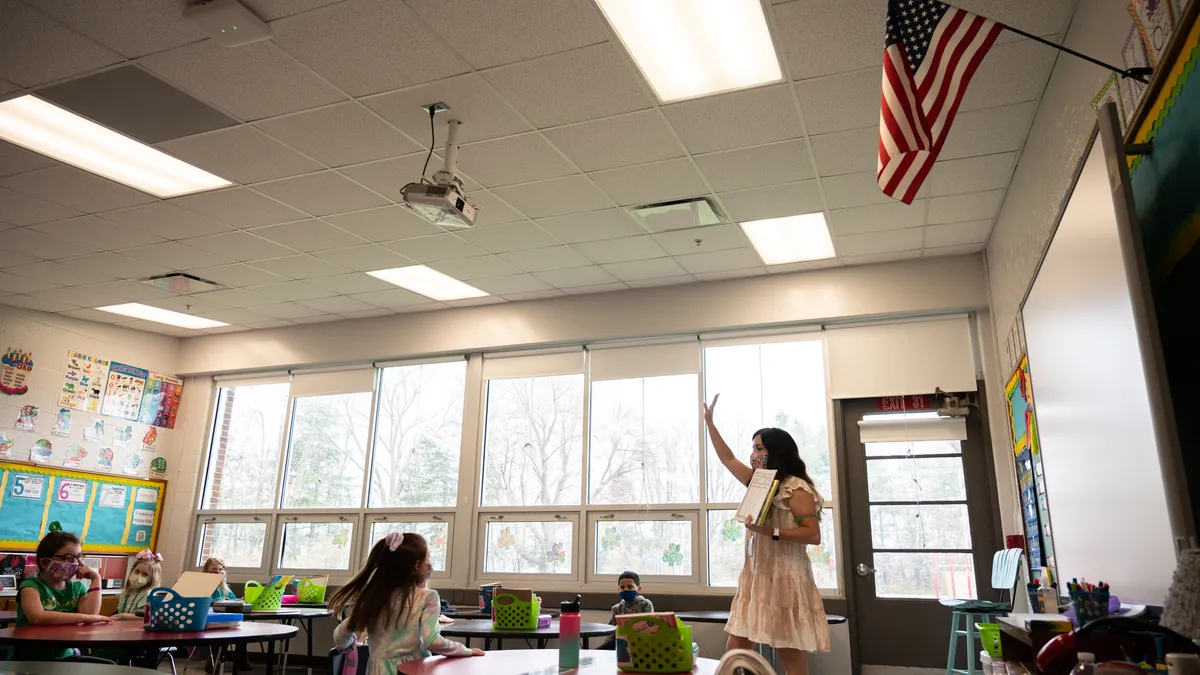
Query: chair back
(337, 660)
(1006, 568)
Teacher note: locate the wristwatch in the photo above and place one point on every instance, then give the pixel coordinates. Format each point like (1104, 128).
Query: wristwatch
(775, 535)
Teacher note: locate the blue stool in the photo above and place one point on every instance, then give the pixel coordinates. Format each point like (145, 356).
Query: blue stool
(1006, 566)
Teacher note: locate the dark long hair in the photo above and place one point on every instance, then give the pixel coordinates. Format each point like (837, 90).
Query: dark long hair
(51, 543)
(782, 454)
(388, 575)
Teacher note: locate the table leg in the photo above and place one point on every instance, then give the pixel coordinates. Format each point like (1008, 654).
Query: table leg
(542, 643)
(271, 657)
(308, 632)
(149, 660)
(239, 657)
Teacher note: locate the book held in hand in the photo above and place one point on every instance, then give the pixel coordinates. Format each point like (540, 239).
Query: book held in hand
(757, 502)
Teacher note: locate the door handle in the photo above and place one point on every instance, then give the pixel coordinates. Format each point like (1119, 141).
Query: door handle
(863, 570)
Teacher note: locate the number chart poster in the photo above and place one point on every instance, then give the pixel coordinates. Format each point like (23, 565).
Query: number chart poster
(83, 385)
(160, 401)
(111, 515)
(123, 397)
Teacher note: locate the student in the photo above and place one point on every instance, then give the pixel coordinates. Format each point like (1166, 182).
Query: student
(630, 585)
(143, 577)
(390, 604)
(223, 592)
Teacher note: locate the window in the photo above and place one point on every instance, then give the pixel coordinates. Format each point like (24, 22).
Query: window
(328, 451)
(515, 547)
(727, 542)
(649, 547)
(437, 538)
(239, 544)
(243, 456)
(316, 545)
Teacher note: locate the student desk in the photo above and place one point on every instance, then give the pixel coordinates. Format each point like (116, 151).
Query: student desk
(7, 618)
(476, 613)
(66, 668)
(288, 616)
(485, 630)
(522, 661)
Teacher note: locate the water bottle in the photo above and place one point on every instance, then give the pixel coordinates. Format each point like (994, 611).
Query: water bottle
(1086, 664)
(568, 634)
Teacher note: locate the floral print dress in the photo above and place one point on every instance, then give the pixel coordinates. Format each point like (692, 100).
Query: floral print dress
(415, 635)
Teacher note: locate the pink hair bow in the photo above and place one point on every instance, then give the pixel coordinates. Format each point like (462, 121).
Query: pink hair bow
(394, 539)
(147, 554)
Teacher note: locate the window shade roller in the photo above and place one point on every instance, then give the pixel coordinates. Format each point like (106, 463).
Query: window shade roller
(911, 357)
(250, 380)
(330, 383)
(540, 364)
(619, 363)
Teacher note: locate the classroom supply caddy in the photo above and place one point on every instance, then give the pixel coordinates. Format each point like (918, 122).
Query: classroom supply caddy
(649, 643)
(170, 612)
(312, 591)
(271, 596)
(515, 609)
(251, 591)
(989, 637)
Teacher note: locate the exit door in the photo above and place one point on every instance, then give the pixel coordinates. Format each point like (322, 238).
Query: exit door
(922, 524)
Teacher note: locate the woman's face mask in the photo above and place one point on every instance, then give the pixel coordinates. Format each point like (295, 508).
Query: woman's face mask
(758, 459)
(138, 580)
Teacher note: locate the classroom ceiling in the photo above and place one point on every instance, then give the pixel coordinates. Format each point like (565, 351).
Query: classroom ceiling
(320, 126)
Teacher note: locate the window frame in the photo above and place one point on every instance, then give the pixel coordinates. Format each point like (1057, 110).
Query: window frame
(665, 581)
(570, 579)
(214, 517)
(447, 517)
(286, 450)
(297, 517)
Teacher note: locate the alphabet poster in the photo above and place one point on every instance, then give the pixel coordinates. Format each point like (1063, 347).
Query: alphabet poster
(83, 385)
(123, 397)
(160, 402)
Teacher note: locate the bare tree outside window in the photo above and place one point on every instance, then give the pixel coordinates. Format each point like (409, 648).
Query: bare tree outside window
(328, 451)
(648, 547)
(238, 544)
(244, 453)
(437, 538)
(323, 546)
(528, 547)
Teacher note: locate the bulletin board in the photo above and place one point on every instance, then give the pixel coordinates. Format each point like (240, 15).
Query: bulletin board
(1027, 453)
(111, 514)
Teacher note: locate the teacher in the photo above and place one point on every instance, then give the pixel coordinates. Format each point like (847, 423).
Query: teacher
(777, 602)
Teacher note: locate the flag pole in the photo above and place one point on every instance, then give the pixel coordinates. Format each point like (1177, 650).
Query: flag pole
(1139, 74)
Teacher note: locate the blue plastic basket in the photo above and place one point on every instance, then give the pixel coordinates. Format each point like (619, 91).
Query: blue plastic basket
(172, 613)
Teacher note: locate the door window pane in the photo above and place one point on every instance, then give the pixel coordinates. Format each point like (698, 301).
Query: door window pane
(238, 544)
(911, 480)
(528, 548)
(244, 454)
(900, 448)
(644, 441)
(770, 385)
(648, 547)
(437, 538)
(726, 548)
(925, 575)
(418, 435)
(322, 546)
(823, 558)
(921, 526)
(328, 451)
(533, 441)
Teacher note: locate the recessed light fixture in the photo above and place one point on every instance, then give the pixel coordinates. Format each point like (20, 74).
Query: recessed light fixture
(428, 282)
(57, 132)
(690, 48)
(160, 315)
(790, 239)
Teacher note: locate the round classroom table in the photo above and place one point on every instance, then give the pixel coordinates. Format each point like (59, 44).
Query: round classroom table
(7, 618)
(476, 613)
(66, 668)
(522, 661)
(485, 630)
(130, 635)
(303, 616)
(722, 616)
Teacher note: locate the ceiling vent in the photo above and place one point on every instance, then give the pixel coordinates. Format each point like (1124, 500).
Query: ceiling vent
(183, 284)
(682, 214)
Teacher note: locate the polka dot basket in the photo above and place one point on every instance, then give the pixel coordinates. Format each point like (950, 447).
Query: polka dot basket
(172, 613)
(652, 645)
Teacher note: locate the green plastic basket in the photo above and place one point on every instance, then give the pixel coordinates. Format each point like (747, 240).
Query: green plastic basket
(669, 650)
(251, 591)
(511, 613)
(989, 636)
(311, 592)
(271, 597)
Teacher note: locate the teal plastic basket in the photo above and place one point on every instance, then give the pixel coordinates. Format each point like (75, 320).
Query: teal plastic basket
(173, 613)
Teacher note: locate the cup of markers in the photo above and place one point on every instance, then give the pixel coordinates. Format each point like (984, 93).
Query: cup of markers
(1090, 601)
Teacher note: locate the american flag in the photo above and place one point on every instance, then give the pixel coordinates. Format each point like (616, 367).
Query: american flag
(931, 53)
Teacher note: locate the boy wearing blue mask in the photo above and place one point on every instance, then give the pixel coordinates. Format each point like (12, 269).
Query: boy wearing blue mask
(630, 585)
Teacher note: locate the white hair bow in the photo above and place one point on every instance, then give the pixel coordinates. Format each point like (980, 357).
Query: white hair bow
(394, 539)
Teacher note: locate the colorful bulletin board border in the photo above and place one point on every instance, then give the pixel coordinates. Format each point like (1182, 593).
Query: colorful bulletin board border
(1022, 422)
(48, 507)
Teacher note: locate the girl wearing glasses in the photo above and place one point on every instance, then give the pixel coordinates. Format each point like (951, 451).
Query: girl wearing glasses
(56, 596)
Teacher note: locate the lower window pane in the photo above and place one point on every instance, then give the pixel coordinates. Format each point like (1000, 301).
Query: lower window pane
(920, 526)
(238, 544)
(925, 575)
(319, 546)
(726, 548)
(528, 548)
(648, 547)
(437, 537)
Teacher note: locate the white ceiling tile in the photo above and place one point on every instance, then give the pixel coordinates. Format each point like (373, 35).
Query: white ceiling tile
(876, 258)
(368, 46)
(384, 224)
(236, 275)
(14, 159)
(269, 10)
(620, 250)
(989, 131)
(75, 188)
(600, 288)
(6, 87)
(492, 210)
(236, 316)
(251, 81)
(127, 291)
(751, 117)
(583, 84)
(366, 314)
(348, 284)
(714, 238)
(131, 27)
(877, 218)
(115, 265)
(309, 235)
(964, 249)
(10, 259)
(241, 246)
(730, 274)
(517, 283)
(879, 242)
(97, 233)
(789, 268)
(175, 255)
(514, 159)
(636, 270)
(555, 197)
(274, 323)
(241, 154)
(957, 234)
(364, 258)
(534, 295)
(288, 310)
(337, 304)
(35, 49)
(239, 207)
(76, 296)
(660, 281)
(593, 226)
(342, 134)
(651, 183)
(1040, 17)
(473, 302)
(483, 113)
(822, 38)
(301, 266)
(577, 276)
(39, 245)
(720, 261)
(761, 165)
(318, 318)
(435, 248)
(12, 283)
(395, 297)
(844, 152)
(292, 291)
(236, 297)
(853, 189)
(510, 237)
(21, 209)
(971, 174)
(30, 302)
(775, 201)
(623, 140)
(468, 269)
(546, 259)
(962, 208)
(1011, 73)
(166, 220)
(322, 194)
(840, 102)
(64, 275)
(387, 176)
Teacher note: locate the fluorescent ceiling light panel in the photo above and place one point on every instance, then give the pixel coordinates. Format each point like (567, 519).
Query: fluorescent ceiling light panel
(691, 48)
(57, 132)
(159, 315)
(428, 282)
(790, 239)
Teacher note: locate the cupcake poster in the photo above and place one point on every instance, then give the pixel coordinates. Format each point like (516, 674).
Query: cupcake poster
(83, 384)
(123, 396)
(15, 367)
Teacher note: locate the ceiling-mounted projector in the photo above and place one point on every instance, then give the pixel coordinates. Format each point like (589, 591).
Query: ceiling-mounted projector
(442, 201)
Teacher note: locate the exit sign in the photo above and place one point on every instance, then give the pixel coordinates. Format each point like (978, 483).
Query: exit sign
(904, 403)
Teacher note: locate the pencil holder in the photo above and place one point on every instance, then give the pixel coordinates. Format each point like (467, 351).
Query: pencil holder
(171, 613)
(312, 591)
(1089, 606)
(511, 612)
(657, 647)
(251, 591)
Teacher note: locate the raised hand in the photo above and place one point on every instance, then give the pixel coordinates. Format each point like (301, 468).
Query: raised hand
(709, 408)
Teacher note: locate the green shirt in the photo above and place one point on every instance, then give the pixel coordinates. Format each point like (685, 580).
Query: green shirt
(53, 600)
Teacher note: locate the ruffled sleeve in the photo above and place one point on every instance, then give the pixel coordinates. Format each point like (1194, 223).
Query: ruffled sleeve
(789, 486)
(431, 630)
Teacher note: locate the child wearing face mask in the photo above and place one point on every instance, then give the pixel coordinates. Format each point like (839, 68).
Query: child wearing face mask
(630, 586)
(144, 576)
(56, 596)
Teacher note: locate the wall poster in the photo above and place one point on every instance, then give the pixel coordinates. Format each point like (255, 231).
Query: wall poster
(1027, 452)
(160, 401)
(123, 397)
(83, 385)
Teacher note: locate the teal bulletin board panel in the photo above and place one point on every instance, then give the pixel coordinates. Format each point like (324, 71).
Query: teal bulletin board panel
(111, 514)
